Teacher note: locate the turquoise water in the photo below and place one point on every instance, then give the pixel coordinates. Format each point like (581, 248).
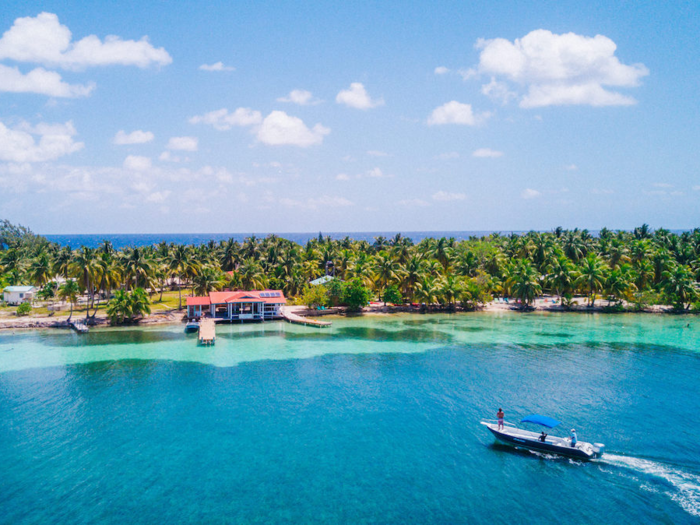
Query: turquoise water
(374, 420)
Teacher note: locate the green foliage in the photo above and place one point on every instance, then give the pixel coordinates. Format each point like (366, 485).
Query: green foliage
(392, 295)
(334, 291)
(355, 294)
(48, 291)
(315, 296)
(24, 309)
(126, 307)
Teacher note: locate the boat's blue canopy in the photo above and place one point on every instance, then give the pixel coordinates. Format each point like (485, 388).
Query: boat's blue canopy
(540, 420)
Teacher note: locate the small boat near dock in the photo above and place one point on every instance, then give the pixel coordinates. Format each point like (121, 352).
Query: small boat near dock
(509, 434)
(191, 327)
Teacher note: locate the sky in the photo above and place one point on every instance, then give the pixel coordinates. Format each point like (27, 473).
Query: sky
(226, 117)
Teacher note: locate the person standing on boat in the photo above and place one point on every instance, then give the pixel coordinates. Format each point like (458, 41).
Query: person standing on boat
(500, 415)
(574, 439)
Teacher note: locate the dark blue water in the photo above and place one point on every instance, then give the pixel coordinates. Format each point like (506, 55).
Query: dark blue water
(131, 239)
(348, 438)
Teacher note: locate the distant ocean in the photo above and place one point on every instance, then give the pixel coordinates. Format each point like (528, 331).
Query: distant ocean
(120, 240)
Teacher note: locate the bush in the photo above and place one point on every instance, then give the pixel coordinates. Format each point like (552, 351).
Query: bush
(315, 296)
(392, 295)
(334, 291)
(355, 295)
(24, 309)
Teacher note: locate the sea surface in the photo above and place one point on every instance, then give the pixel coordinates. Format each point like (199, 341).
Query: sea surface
(146, 239)
(374, 420)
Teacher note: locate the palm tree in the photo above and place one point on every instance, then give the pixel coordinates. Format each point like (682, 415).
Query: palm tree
(208, 280)
(386, 271)
(679, 286)
(251, 274)
(178, 261)
(619, 283)
(450, 289)
(86, 267)
(525, 282)
(592, 275)
(69, 291)
(562, 276)
(40, 269)
(427, 292)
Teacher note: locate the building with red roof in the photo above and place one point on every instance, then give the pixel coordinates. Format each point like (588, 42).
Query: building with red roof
(254, 305)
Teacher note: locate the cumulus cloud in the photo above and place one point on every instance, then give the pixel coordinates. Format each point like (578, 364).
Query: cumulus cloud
(21, 145)
(135, 137)
(487, 153)
(218, 66)
(158, 197)
(40, 81)
(445, 196)
(441, 70)
(222, 120)
(376, 153)
(137, 163)
(42, 39)
(571, 167)
(455, 113)
(529, 193)
(279, 129)
(183, 144)
(559, 69)
(300, 97)
(342, 176)
(357, 97)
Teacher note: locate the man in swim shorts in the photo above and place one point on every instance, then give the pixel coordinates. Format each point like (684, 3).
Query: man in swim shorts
(500, 415)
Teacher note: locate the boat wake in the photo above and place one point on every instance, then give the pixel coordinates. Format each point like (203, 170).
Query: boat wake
(682, 487)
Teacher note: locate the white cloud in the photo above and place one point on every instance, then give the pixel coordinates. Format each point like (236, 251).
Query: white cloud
(696, 188)
(498, 91)
(40, 81)
(44, 40)
(342, 176)
(530, 193)
(559, 69)
(571, 167)
(137, 163)
(20, 145)
(447, 156)
(487, 153)
(412, 203)
(357, 97)
(441, 70)
(158, 197)
(166, 156)
(301, 97)
(183, 144)
(218, 66)
(278, 129)
(222, 120)
(444, 196)
(135, 137)
(375, 173)
(662, 185)
(313, 203)
(596, 191)
(454, 113)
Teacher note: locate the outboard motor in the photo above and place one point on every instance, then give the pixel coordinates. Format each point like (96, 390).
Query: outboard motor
(599, 449)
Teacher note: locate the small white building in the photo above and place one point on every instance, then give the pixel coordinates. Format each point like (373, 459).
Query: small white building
(15, 295)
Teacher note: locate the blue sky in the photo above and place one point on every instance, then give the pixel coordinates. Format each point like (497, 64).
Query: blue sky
(356, 116)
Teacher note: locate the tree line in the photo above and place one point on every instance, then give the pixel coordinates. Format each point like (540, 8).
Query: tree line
(636, 268)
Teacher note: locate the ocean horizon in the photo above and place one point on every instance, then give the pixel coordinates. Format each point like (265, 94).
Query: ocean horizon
(121, 240)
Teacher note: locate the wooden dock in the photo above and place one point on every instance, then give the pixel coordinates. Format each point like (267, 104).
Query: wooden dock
(207, 332)
(298, 319)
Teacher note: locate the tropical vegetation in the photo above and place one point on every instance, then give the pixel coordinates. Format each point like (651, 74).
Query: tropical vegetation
(636, 268)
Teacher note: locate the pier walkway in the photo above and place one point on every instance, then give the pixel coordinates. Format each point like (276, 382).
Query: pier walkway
(290, 316)
(207, 332)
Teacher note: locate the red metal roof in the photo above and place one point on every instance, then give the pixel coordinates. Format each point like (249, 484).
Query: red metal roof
(198, 301)
(248, 296)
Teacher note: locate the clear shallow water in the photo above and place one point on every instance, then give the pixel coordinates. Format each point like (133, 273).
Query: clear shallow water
(372, 421)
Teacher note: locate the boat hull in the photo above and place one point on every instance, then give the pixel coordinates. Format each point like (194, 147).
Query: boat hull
(584, 451)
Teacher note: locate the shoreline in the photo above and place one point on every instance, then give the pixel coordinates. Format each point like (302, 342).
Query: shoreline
(171, 317)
